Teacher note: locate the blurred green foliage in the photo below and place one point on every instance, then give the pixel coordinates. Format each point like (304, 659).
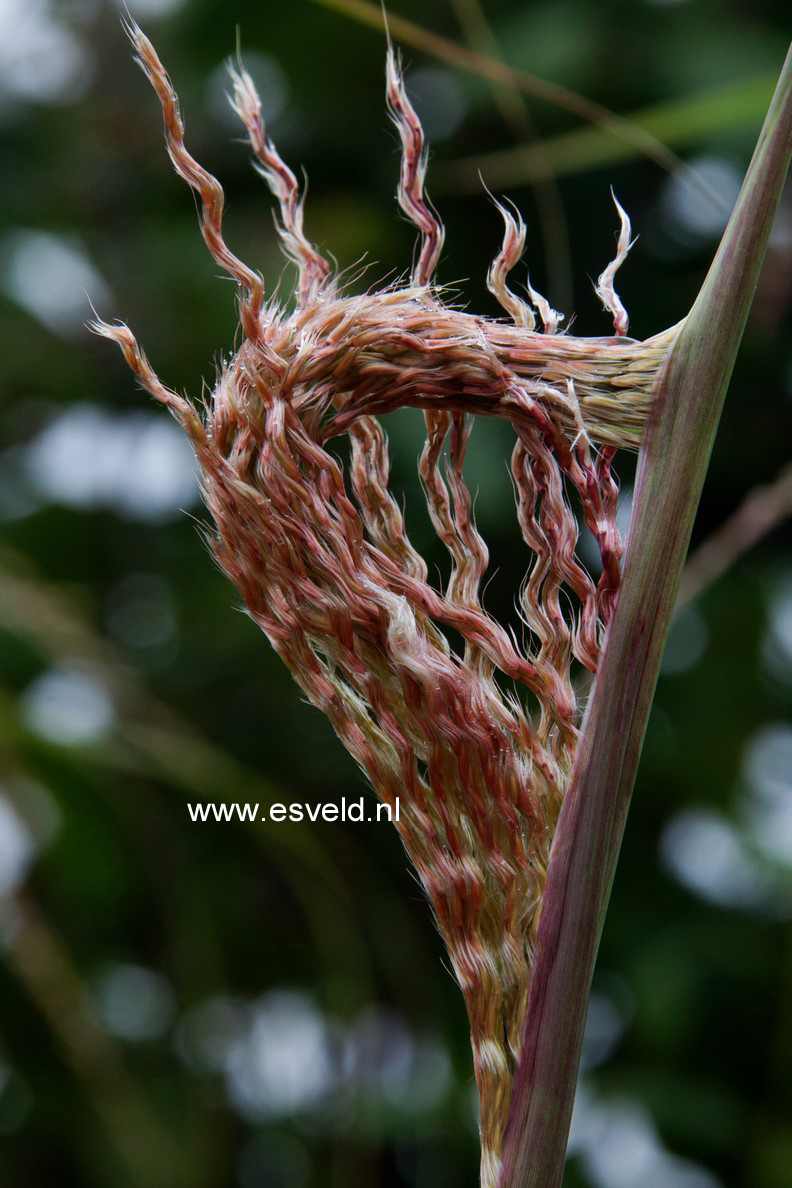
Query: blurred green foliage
(238, 1004)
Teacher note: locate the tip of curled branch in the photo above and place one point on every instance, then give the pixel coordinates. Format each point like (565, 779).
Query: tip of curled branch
(511, 250)
(604, 287)
(507, 258)
(244, 97)
(314, 269)
(122, 336)
(410, 193)
(134, 32)
(201, 182)
(551, 318)
(149, 62)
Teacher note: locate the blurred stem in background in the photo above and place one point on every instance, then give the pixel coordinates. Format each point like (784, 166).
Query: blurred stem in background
(632, 133)
(149, 1153)
(762, 510)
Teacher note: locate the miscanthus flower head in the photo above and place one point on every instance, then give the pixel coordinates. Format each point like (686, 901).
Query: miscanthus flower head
(323, 560)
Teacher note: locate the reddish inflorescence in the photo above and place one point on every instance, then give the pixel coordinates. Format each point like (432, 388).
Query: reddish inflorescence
(325, 566)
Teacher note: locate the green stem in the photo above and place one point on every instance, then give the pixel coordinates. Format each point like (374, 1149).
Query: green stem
(689, 397)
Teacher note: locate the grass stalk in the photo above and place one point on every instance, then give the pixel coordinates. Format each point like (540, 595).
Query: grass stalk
(407, 33)
(689, 396)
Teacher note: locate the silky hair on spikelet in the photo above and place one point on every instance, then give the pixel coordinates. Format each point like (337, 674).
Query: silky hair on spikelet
(325, 566)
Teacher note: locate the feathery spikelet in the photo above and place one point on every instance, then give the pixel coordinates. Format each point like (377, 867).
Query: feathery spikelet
(326, 569)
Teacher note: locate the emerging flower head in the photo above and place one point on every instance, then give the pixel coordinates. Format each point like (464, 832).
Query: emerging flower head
(324, 563)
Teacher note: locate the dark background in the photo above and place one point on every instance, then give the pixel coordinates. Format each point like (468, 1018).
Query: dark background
(229, 1004)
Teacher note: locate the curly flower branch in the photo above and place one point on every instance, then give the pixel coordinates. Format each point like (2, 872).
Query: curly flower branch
(324, 563)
